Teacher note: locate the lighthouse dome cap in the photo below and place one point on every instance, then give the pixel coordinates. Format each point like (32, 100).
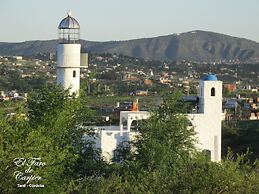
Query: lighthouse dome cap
(210, 77)
(69, 22)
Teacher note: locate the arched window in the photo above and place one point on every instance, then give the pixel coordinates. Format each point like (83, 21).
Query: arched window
(74, 73)
(134, 125)
(212, 91)
(207, 153)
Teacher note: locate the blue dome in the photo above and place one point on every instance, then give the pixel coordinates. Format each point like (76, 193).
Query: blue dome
(210, 77)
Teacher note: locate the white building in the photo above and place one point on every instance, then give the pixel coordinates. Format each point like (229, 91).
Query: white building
(108, 138)
(128, 117)
(18, 58)
(206, 123)
(68, 55)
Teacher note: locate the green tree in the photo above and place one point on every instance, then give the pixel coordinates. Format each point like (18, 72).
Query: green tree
(164, 160)
(52, 132)
(165, 137)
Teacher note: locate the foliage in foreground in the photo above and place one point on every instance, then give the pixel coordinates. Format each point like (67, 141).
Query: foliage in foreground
(162, 160)
(53, 132)
(165, 161)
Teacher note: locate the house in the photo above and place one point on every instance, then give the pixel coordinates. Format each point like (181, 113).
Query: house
(206, 122)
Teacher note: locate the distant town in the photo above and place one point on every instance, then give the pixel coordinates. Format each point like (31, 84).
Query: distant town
(114, 75)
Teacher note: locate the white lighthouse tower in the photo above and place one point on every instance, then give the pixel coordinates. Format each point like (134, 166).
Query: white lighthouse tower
(68, 55)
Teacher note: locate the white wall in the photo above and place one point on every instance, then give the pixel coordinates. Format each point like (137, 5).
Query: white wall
(207, 123)
(208, 130)
(212, 104)
(68, 55)
(84, 59)
(108, 140)
(68, 61)
(66, 79)
(130, 116)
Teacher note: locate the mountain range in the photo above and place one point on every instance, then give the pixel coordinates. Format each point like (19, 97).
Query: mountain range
(194, 46)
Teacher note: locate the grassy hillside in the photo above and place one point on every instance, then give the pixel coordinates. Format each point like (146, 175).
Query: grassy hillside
(195, 46)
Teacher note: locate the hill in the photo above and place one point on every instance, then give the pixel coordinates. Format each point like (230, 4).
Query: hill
(194, 46)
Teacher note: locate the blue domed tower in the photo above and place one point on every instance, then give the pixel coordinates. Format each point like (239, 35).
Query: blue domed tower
(68, 55)
(208, 120)
(210, 95)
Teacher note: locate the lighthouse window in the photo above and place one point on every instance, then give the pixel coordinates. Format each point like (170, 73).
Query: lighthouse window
(212, 92)
(74, 73)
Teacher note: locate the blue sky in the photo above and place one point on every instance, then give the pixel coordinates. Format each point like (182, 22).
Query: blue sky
(103, 20)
